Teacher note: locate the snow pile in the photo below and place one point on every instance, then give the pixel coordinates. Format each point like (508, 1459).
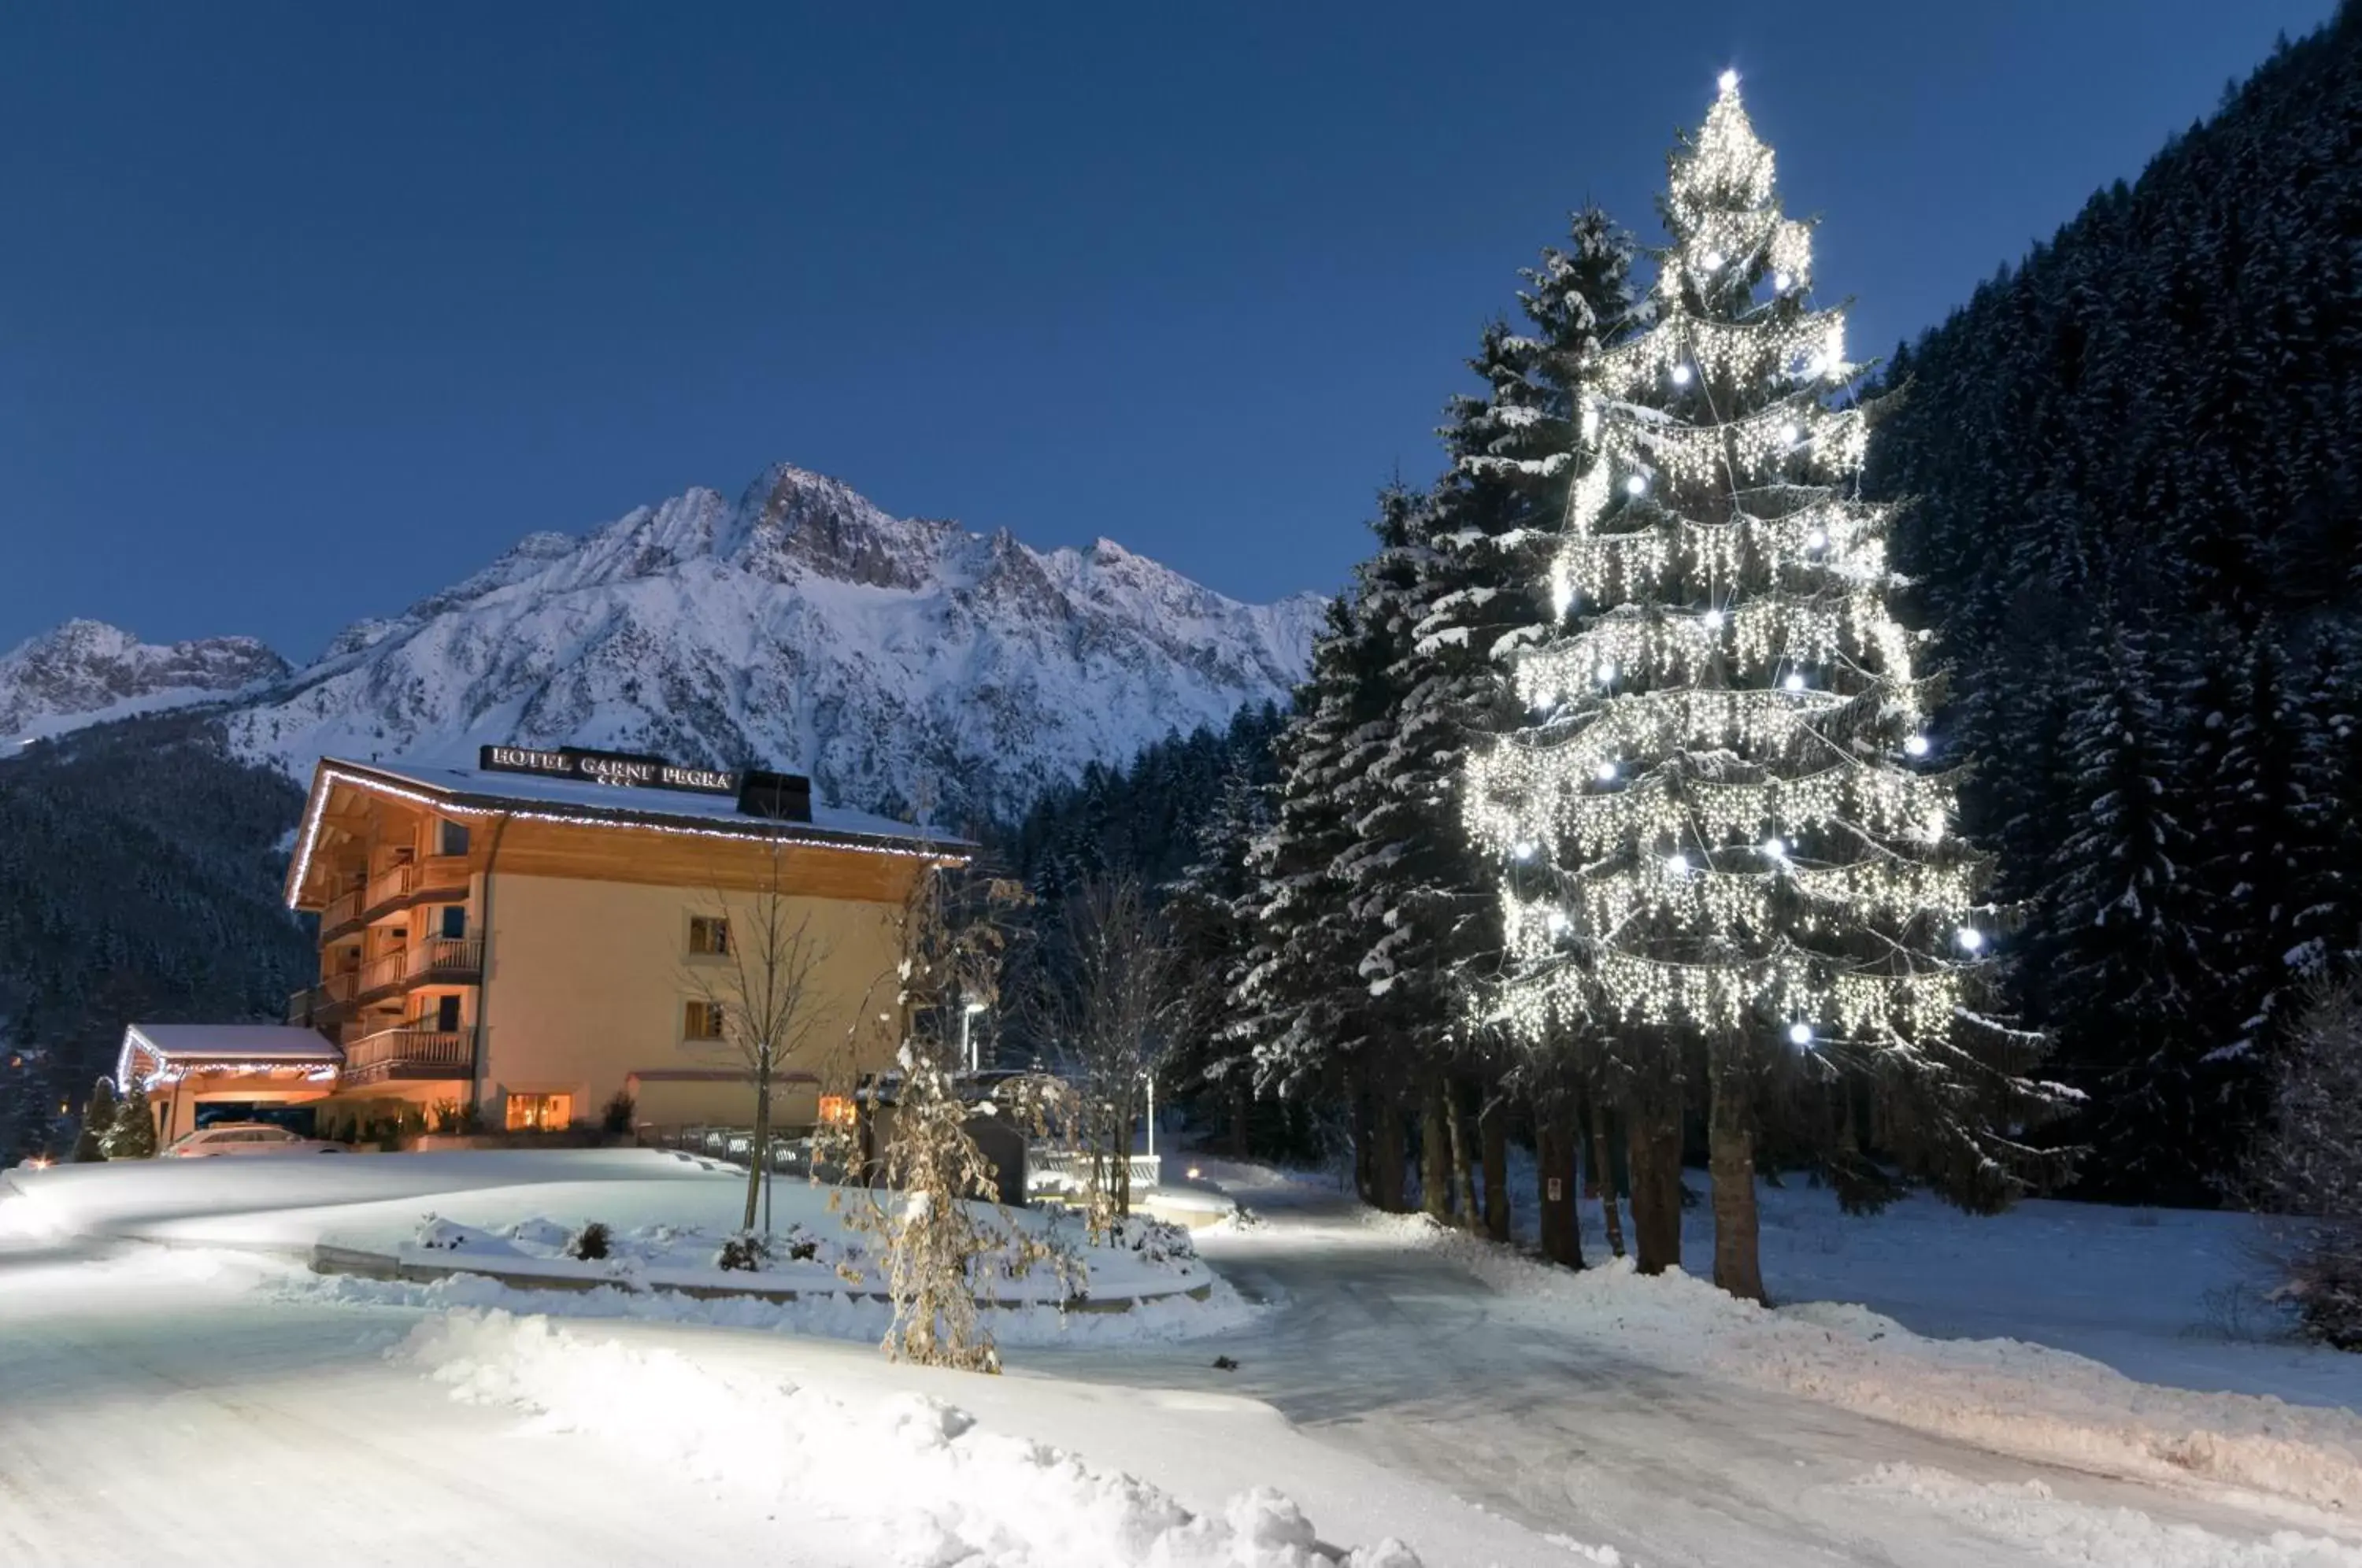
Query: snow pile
(833, 1316)
(909, 1479)
(815, 1252)
(2028, 1514)
(2004, 1395)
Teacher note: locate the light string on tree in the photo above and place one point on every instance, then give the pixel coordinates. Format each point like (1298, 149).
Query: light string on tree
(1719, 817)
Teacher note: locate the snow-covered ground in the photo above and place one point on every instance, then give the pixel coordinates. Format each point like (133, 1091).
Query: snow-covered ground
(194, 1404)
(517, 1215)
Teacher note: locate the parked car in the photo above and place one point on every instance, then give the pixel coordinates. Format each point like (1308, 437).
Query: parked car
(245, 1138)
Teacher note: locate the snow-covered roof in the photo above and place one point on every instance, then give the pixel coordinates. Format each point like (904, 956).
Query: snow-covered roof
(588, 798)
(194, 1044)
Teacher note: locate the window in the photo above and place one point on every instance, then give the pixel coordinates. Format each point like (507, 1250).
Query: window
(455, 920)
(701, 1020)
(539, 1112)
(709, 937)
(446, 1014)
(450, 838)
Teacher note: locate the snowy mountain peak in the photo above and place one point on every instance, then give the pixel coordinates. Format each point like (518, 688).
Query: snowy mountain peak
(801, 626)
(87, 670)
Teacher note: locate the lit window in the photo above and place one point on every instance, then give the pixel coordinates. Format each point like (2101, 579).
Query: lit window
(701, 1020)
(709, 935)
(836, 1110)
(539, 1112)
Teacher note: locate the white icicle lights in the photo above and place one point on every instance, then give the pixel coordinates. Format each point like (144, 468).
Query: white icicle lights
(1713, 820)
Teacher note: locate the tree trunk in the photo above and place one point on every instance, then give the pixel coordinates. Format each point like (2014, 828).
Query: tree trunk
(1434, 1156)
(1365, 1137)
(1464, 1152)
(1561, 1239)
(1238, 1122)
(1122, 1150)
(1493, 1133)
(1730, 1149)
(1386, 1157)
(1654, 1139)
(1603, 1172)
(760, 1154)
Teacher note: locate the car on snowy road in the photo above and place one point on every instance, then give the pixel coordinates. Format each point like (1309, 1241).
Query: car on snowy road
(245, 1138)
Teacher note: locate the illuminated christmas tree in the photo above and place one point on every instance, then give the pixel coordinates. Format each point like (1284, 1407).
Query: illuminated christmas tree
(1726, 843)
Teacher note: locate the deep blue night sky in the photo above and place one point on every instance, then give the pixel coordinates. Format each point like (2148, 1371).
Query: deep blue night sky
(306, 311)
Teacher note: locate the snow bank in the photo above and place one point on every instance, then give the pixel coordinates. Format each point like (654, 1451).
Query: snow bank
(2004, 1395)
(834, 1316)
(514, 1213)
(905, 1479)
(2029, 1515)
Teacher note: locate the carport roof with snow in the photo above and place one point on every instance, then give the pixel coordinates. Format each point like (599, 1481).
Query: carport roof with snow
(197, 1045)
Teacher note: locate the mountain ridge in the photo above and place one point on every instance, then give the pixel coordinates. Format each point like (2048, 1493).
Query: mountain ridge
(801, 626)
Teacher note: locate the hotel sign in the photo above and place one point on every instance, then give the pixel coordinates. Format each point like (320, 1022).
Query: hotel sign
(629, 769)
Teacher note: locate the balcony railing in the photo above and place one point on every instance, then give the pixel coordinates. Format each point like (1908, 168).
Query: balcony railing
(314, 1004)
(448, 959)
(409, 1053)
(397, 886)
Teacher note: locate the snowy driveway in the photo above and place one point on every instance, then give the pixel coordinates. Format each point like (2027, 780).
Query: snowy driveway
(178, 1406)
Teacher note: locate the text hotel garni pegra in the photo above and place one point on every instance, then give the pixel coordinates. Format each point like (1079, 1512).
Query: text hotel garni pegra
(528, 936)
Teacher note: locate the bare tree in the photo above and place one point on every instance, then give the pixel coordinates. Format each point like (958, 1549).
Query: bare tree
(954, 931)
(754, 963)
(2309, 1167)
(1109, 997)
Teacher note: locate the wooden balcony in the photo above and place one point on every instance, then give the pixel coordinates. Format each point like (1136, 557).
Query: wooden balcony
(409, 1053)
(322, 1003)
(437, 878)
(437, 961)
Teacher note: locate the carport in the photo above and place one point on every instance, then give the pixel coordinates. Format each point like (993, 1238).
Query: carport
(185, 1065)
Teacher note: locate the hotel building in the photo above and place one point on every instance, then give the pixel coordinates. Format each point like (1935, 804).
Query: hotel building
(535, 935)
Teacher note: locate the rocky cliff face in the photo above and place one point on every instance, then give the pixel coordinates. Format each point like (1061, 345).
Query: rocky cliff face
(801, 627)
(85, 671)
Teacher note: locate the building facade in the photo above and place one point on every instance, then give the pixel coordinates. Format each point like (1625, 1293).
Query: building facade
(536, 935)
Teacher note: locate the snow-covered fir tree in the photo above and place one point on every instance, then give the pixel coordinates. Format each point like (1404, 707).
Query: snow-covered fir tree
(1724, 834)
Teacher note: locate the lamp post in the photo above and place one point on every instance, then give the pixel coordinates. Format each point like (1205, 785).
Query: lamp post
(967, 1033)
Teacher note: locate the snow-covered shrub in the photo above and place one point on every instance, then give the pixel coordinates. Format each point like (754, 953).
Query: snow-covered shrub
(748, 1251)
(1155, 1242)
(438, 1234)
(538, 1232)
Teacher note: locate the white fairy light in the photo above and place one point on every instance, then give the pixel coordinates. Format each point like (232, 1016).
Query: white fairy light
(1915, 746)
(1726, 739)
(1728, 81)
(1970, 939)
